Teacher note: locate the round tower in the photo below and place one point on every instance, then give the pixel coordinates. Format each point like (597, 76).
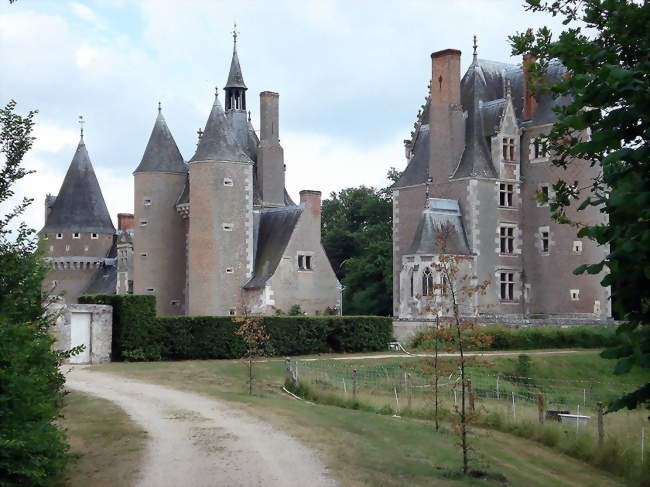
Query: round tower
(159, 258)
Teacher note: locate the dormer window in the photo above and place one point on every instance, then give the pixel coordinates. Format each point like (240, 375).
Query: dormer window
(508, 149)
(539, 149)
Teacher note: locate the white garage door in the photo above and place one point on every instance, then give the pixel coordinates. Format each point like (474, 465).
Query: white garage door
(80, 335)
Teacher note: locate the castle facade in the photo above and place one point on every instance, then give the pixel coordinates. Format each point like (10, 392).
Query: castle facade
(474, 168)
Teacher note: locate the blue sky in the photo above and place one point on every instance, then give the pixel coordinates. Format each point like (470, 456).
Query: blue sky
(351, 77)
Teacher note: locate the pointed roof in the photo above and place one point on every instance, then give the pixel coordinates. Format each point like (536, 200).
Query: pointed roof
(79, 206)
(235, 78)
(218, 142)
(476, 160)
(161, 154)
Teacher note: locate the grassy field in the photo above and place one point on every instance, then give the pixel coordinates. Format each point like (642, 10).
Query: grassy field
(363, 448)
(105, 445)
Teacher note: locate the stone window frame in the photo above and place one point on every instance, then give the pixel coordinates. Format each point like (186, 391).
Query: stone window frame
(508, 149)
(509, 238)
(230, 270)
(227, 227)
(146, 201)
(305, 261)
(175, 302)
(428, 282)
(150, 290)
(574, 294)
(537, 151)
(59, 236)
(577, 247)
(94, 236)
(228, 182)
(541, 232)
(143, 222)
(144, 254)
(76, 235)
(506, 195)
(549, 193)
(507, 280)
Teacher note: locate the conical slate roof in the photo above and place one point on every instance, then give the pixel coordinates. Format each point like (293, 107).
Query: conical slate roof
(235, 78)
(79, 206)
(161, 154)
(218, 143)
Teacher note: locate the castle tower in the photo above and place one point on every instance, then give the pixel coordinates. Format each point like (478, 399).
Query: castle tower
(78, 230)
(220, 242)
(159, 233)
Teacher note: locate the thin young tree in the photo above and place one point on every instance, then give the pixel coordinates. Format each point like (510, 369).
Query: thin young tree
(256, 339)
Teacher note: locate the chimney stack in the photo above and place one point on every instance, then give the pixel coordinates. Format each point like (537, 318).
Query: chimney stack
(125, 221)
(312, 201)
(446, 131)
(270, 159)
(530, 102)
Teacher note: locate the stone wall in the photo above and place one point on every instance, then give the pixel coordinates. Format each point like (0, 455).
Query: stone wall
(101, 329)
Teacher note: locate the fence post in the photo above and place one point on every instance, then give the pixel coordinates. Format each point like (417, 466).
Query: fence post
(354, 384)
(470, 395)
(540, 407)
(287, 370)
(601, 425)
(409, 390)
(498, 395)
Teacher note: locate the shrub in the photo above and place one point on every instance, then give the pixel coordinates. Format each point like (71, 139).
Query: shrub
(139, 335)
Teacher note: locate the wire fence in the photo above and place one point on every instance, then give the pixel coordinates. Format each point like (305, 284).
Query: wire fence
(575, 407)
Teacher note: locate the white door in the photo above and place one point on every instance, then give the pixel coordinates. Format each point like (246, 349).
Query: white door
(80, 335)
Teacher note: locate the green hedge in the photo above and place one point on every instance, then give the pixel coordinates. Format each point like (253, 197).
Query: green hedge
(505, 338)
(139, 335)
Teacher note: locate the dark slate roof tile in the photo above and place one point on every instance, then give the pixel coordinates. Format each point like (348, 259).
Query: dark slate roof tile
(440, 230)
(79, 206)
(235, 77)
(161, 154)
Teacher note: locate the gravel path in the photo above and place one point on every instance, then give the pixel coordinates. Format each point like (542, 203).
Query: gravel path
(198, 441)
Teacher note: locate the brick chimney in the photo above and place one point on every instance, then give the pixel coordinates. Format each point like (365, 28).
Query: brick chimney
(270, 163)
(125, 221)
(530, 102)
(445, 115)
(311, 199)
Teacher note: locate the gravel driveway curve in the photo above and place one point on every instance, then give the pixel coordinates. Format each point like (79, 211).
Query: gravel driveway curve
(198, 441)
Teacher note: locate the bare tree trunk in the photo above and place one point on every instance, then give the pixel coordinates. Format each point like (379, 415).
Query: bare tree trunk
(435, 372)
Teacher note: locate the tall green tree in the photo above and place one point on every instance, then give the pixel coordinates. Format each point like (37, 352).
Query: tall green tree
(32, 448)
(606, 50)
(357, 236)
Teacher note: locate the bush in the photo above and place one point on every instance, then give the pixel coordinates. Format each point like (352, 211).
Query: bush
(504, 338)
(139, 335)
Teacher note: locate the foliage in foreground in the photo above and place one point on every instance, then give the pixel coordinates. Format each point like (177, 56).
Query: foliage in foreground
(32, 449)
(604, 121)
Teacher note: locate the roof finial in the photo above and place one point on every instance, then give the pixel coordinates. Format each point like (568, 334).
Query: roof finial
(508, 88)
(249, 115)
(475, 48)
(81, 124)
(159, 107)
(216, 91)
(235, 33)
(200, 134)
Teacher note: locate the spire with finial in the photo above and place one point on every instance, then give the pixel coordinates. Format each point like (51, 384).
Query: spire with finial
(235, 87)
(81, 125)
(159, 107)
(234, 33)
(508, 89)
(475, 55)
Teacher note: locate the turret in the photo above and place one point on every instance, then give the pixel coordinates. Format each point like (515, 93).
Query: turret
(235, 87)
(159, 231)
(220, 237)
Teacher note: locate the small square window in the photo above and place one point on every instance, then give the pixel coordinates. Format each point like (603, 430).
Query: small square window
(143, 254)
(147, 201)
(227, 227)
(545, 193)
(150, 290)
(59, 236)
(232, 312)
(227, 182)
(304, 262)
(174, 302)
(76, 235)
(577, 247)
(575, 294)
(94, 236)
(229, 270)
(144, 222)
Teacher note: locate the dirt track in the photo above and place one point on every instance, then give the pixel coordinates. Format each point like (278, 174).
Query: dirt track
(199, 442)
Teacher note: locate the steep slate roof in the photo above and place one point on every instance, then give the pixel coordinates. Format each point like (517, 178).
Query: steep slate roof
(218, 142)
(487, 79)
(161, 154)
(79, 206)
(440, 230)
(476, 159)
(272, 231)
(235, 78)
(104, 280)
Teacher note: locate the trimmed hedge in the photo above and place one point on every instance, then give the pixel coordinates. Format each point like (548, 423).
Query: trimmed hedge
(139, 335)
(504, 338)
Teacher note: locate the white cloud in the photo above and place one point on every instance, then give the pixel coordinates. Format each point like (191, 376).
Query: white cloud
(83, 12)
(85, 55)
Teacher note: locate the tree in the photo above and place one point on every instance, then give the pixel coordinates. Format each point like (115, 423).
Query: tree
(357, 237)
(606, 50)
(256, 339)
(32, 448)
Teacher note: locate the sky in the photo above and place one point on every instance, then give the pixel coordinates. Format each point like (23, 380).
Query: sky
(351, 75)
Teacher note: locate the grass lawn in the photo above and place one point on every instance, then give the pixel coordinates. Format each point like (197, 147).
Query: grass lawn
(106, 446)
(363, 448)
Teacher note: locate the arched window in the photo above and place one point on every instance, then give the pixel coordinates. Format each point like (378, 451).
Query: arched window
(411, 283)
(427, 282)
